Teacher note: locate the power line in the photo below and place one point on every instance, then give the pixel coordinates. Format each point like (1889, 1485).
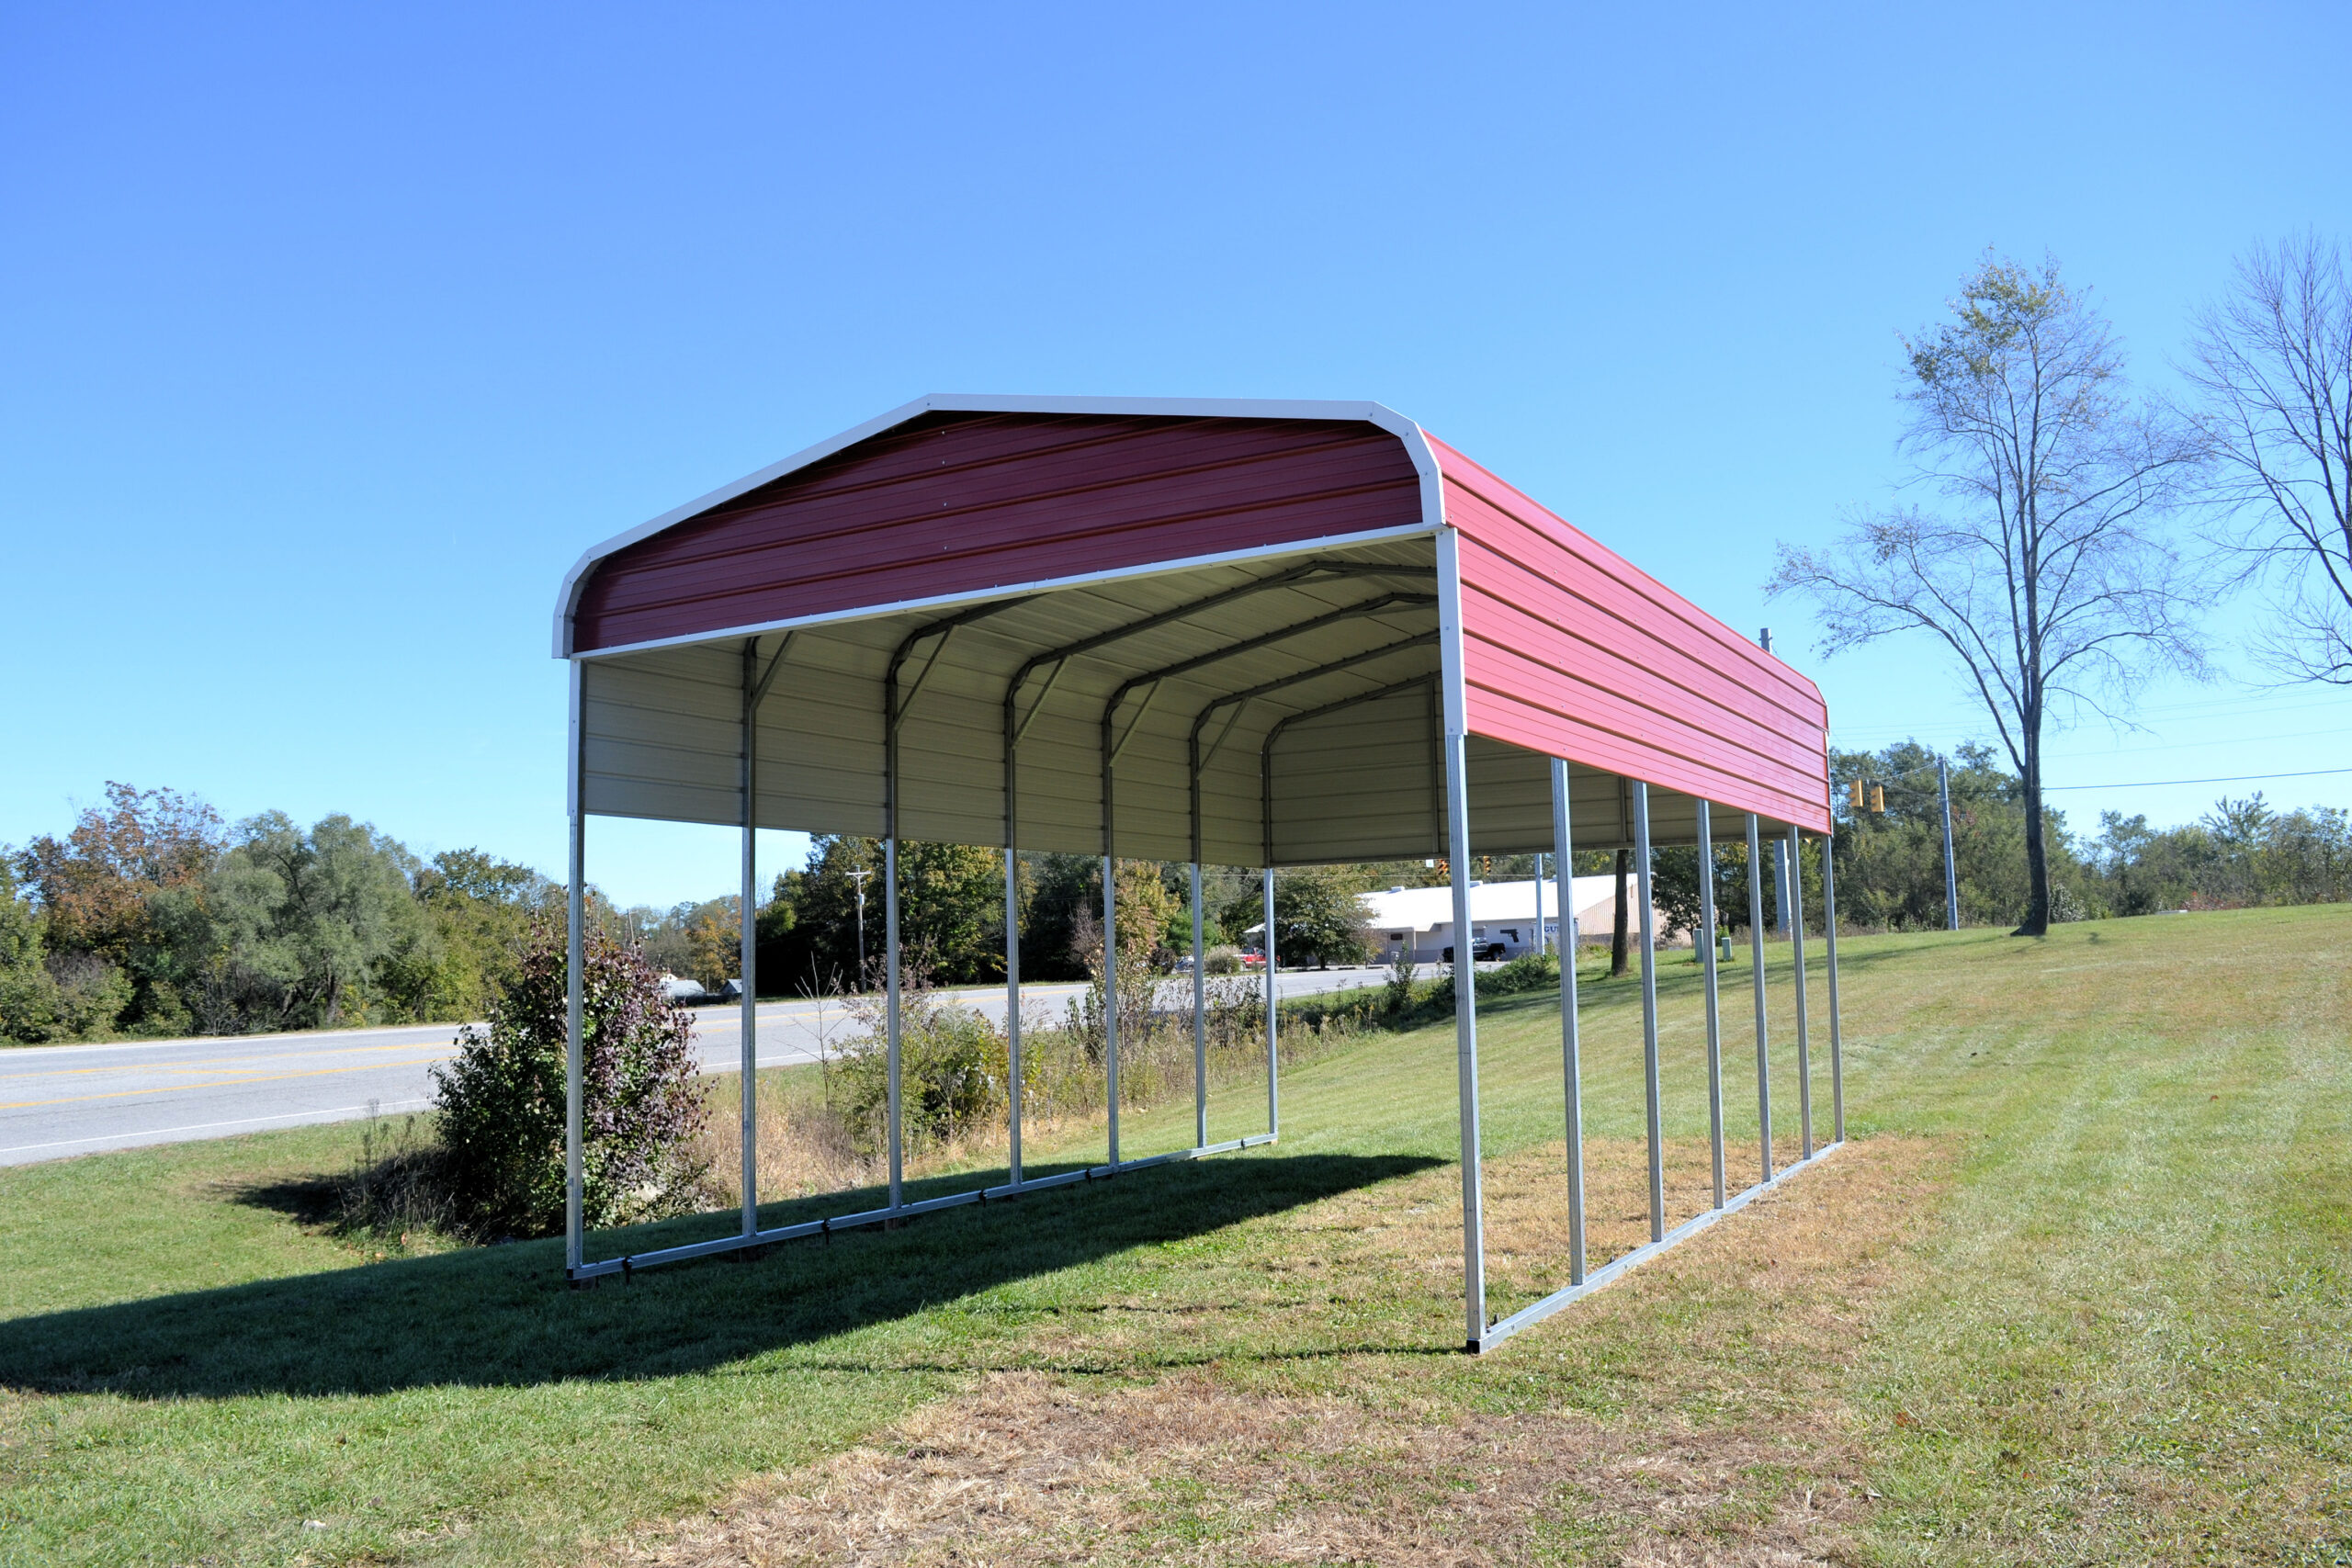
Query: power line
(2235, 778)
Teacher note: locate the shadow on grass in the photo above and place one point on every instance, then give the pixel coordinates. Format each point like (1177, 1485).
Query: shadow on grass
(501, 1315)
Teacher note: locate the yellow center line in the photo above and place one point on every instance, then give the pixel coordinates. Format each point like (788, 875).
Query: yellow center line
(217, 1083)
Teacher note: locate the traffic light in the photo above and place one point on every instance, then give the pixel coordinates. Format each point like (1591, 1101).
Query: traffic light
(1878, 798)
(1854, 794)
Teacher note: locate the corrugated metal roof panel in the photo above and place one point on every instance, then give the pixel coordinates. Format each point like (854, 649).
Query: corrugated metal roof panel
(1571, 651)
(1125, 515)
(968, 503)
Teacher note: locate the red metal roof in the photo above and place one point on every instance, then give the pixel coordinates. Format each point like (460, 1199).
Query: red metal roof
(958, 503)
(1567, 648)
(1573, 651)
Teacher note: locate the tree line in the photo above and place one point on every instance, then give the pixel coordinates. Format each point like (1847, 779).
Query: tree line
(154, 917)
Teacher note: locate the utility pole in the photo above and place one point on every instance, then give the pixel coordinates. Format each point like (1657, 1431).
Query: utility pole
(1781, 885)
(1952, 883)
(859, 877)
(1540, 945)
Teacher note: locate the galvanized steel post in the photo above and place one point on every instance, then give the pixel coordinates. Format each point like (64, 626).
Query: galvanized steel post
(890, 1007)
(1465, 1040)
(1714, 1008)
(1200, 1022)
(1796, 952)
(1571, 1063)
(748, 965)
(1836, 1042)
(1755, 963)
(1013, 1005)
(1452, 677)
(1649, 1009)
(575, 959)
(1110, 997)
(1273, 1020)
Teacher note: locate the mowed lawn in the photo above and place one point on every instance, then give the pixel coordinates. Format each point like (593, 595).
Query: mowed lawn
(2077, 1290)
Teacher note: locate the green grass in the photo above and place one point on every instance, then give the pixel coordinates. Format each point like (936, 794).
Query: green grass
(2095, 1306)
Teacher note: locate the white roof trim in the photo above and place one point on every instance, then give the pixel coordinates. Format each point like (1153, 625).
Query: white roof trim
(1416, 446)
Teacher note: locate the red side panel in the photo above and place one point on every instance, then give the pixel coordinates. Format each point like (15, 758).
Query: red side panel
(1571, 651)
(961, 504)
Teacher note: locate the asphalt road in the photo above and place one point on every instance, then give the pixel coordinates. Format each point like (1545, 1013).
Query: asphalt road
(59, 1100)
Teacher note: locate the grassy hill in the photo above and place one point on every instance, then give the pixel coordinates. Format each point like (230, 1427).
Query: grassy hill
(2076, 1292)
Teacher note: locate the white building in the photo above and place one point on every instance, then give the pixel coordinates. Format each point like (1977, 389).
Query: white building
(1421, 918)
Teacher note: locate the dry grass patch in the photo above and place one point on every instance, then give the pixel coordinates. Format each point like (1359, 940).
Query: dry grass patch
(1717, 1435)
(1031, 1471)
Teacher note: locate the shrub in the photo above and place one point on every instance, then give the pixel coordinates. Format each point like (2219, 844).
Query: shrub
(1528, 971)
(952, 1073)
(1224, 960)
(501, 1098)
(1398, 995)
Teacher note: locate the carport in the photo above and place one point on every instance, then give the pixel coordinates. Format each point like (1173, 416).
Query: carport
(1256, 634)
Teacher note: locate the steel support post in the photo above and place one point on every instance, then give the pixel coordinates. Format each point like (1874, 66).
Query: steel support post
(1796, 953)
(1110, 997)
(890, 1009)
(1756, 964)
(1649, 1009)
(1714, 1002)
(1273, 1019)
(575, 960)
(1466, 1038)
(748, 967)
(1453, 739)
(1200, 1022)
(1571, 1062)
(1012, 1006)
(1837, 1041)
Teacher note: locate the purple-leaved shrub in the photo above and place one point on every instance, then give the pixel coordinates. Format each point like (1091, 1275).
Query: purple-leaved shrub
(501, 1098)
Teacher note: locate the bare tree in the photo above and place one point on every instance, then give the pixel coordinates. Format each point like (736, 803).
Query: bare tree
(2047, 577)
(2273, 364)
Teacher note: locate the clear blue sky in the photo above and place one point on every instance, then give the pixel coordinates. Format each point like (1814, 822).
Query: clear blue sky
(330, 336)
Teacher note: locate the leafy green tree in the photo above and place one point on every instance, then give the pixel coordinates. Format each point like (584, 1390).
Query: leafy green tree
(1319, 916)
(809, 933)
(951, 915)
(304, 918)
(1890, 864)
(101, 890)
(715, 945)
(481, 911)
(951, 909)
(28, 993)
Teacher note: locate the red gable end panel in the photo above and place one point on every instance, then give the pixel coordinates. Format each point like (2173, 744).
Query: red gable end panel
(1571, 651)
(963, 503)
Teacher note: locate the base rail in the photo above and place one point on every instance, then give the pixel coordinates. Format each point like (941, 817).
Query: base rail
(629, 1263)
(1536, 1312)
